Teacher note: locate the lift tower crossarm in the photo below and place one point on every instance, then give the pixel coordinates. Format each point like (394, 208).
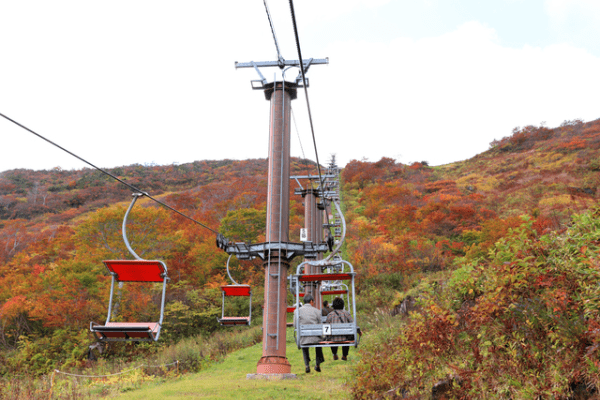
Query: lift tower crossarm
(286, 63)
(261, 83)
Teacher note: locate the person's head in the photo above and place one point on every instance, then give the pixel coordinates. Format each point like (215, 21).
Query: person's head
(325, 303)
(338, 303)
(308, 299)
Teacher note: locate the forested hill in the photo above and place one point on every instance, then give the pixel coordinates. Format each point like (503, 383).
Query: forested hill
(440, 240)
(57, 226)
(27, 193)
(420, 217)
(492, 266)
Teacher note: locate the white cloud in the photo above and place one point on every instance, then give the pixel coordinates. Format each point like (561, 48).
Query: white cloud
(576, 22)
(560, 9)
(446, 98)
(156, 84)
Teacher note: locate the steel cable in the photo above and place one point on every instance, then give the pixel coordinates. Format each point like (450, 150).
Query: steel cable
(306, 91)
(135, 189)
(279, 57)
(305, 161)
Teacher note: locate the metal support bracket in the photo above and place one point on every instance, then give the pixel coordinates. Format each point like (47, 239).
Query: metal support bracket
(262, 81)
(288, 250)
(259, 84)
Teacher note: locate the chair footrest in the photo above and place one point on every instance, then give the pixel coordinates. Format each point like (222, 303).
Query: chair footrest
(124, 331)
(117, 328)
(337, 342)
(234, 320)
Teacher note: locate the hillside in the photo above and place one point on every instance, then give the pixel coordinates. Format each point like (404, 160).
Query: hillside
(494, 264)
(57, 226)
(462, 254)
(415, 217)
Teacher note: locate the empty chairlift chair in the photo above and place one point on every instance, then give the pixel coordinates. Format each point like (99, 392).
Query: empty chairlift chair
(341, 292)
(235, 290)
(132, 271)
(138, 270)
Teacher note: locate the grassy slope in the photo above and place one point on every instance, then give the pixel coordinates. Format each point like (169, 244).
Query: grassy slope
(227, 380)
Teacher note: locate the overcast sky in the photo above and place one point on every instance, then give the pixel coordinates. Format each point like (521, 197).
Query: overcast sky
(153, 81)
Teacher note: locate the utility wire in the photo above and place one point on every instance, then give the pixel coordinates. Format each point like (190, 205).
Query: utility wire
(300, 141)
(306, 92)
(135, 189)
(279, 57)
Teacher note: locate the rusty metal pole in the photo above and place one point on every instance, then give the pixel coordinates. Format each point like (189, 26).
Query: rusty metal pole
(319, 239)
(312, 223)
(274, 360)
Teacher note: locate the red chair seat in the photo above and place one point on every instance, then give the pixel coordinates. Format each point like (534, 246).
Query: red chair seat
(234, 320)
(126, 330)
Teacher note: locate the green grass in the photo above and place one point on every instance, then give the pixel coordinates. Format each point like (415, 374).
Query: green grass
(227, 380)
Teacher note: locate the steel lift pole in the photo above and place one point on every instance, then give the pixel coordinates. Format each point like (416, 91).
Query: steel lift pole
(312, 224)
(274, 360)
(277, 257)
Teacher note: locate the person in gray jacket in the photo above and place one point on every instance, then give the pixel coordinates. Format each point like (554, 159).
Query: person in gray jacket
(309, 315)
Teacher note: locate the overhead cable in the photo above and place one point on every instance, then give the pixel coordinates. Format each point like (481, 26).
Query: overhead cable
(279, 57)
(300, 141)
(135, 189)
(321, 183)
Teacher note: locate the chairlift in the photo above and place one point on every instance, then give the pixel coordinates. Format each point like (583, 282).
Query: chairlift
(295, 286)
(328, 330)
(235, 290)
(291, 309)
(334, 289)
(328, 290)
(138, 270)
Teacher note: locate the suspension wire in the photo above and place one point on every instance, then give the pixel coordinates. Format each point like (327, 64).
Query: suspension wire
(306, 91)
(300, 141)
(279, 57)
(135, 189)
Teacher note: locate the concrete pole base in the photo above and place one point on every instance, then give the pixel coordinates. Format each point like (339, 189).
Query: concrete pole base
(273, 365)
(271, 377)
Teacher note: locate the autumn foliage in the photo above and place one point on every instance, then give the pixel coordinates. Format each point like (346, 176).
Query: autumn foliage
(57, 226)
(498, 259)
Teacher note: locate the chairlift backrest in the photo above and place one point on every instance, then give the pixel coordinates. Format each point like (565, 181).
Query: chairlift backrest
(236, 290)
(137, 270)
(329, 277)
(331, 292)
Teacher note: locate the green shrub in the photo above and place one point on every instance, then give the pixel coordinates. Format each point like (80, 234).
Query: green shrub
(40, 355)
(530, 329)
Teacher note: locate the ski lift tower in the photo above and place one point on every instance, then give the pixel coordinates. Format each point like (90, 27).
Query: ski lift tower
(314, 209)
(277, 252)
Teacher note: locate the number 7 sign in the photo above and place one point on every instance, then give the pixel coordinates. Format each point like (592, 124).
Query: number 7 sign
(326, 330)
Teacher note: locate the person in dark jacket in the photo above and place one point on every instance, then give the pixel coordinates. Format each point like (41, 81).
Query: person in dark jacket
(339, 316)
(325, 310)
(308, 314)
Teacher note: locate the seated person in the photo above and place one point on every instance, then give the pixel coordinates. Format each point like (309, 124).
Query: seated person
(339, 316)
(309, 315)
(325, 310)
